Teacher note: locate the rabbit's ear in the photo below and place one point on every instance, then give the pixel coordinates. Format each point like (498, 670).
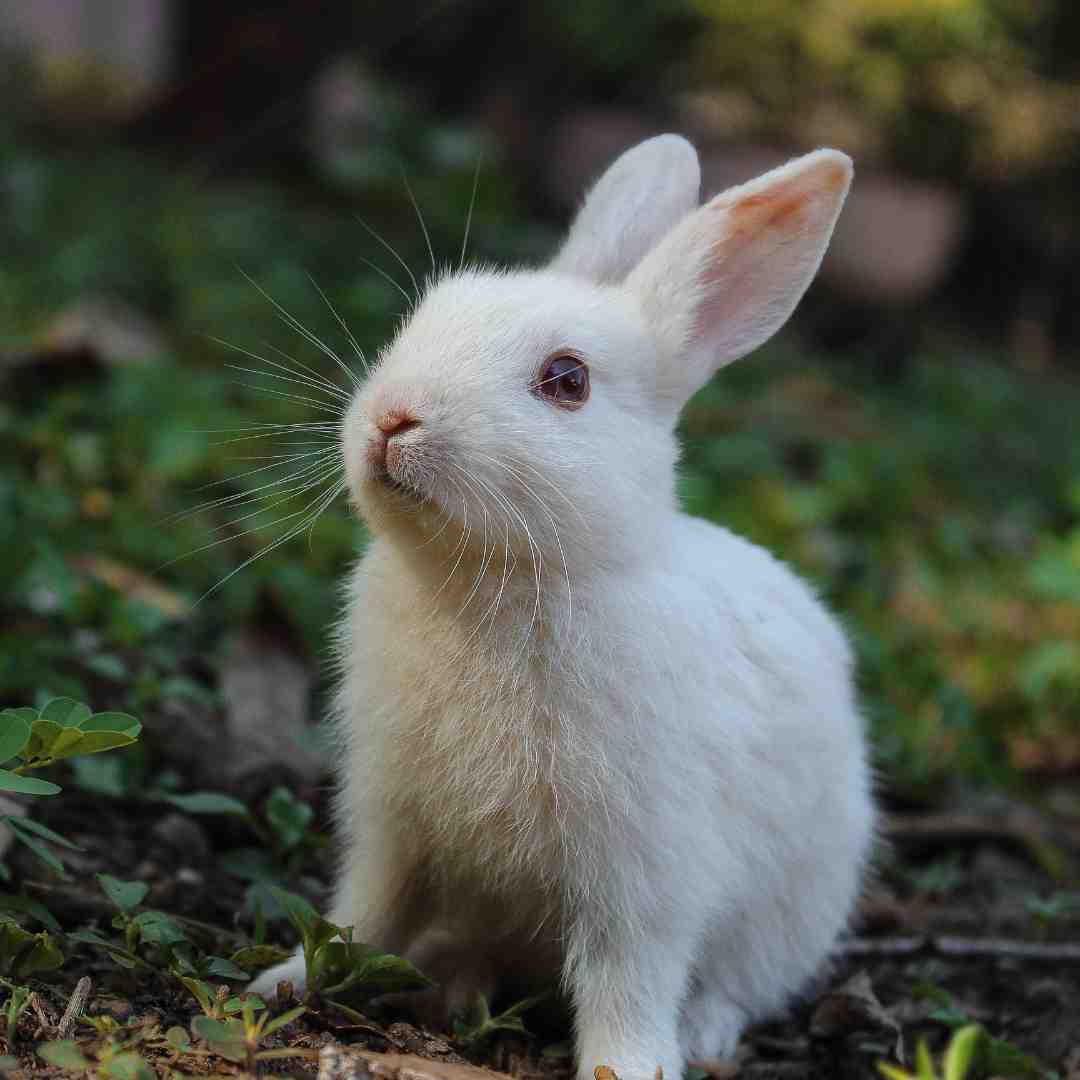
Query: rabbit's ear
(727, 277)
(642, 195)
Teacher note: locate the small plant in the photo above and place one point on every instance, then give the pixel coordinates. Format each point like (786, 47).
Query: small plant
(1056, 907)
(480, 1026)
(18, 1002)
(113, 1057)
(959, 1055)
(153, 940)
(238, 1039)
(32, 739)
(995, 1056)
(286, 842)
(336, 965)
(23, 954)
(938, 878)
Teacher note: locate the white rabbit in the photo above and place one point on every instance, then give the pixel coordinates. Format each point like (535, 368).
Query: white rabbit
(584, 734)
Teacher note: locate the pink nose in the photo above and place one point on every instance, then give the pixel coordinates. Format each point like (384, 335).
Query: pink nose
(390, 424)
(395, 423)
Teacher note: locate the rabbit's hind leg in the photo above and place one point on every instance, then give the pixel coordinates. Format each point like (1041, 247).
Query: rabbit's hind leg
(710, 1024)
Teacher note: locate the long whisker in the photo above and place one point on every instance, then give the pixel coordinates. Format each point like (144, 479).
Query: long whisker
(466, 533)
(312, 476)
(468, 217)
(535, 552)
(484, 558)
(420, 218)
(323, 502)
(315, 381)
(276, 462)
(348, 334)
(292, 322)
(389, 247)
(286, 378)
(301, 399)
(318, 375)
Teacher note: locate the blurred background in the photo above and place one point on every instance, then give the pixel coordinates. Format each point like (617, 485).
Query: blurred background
(170, 171)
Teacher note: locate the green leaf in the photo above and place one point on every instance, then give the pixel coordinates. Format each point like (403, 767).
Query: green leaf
(27, 906)
(961, 1051)
(43, 955)
(26, 785)
(30, 825)
(924, 1064)
(49, 739)
(14, 733)
(203, 992)
(894, 1072)
(288, 816)
(341, 966)
(65, 712)
(36, 846)
(208, 802)
(96, 742)
(120, 955)
(285, 1018)
(8, 1063)
(238, 1002)
(118, 722)
(127, 1066)
(65, 1054)
(126, 895)
(178, 1039)
(299, 912)
(156, 928)
(226, 969)
(224, 1037)
(485, 1025)
(256, 957)
(14, 941)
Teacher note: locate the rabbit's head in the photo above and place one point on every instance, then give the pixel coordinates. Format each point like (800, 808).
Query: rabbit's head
(536, 409)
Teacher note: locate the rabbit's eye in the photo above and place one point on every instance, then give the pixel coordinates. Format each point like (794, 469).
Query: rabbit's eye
(564, 381)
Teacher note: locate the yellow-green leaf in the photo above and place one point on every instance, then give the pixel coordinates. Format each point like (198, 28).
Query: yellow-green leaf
(961, 1051)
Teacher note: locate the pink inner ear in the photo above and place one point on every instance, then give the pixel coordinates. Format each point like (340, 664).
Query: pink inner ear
(765, 249)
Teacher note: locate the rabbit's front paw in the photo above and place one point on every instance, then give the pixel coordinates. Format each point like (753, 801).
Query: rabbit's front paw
(292, 970)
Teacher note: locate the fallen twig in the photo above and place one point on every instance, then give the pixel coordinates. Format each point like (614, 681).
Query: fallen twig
(1021, 828)
(74, 1009)
(1064, 951)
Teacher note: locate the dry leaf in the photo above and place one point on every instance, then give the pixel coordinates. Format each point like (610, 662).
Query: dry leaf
(852, 1007)
(134, 584)
(348, 1063)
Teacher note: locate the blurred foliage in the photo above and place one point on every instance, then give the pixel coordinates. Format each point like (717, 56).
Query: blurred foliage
(940, 513)
(957, 87)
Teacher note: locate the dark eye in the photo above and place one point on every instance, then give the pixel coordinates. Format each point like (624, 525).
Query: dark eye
(564, 381)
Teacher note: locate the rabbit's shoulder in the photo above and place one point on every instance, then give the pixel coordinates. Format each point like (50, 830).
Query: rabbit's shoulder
(749, 598)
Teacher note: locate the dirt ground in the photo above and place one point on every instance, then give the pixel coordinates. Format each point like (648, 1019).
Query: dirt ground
(968, 920)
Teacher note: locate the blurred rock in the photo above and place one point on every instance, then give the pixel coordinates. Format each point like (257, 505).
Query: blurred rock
(191, 737)
(266, 686)
(344, 116)
(183, 838)
(114, 332)
(119, 49)
(895, 241)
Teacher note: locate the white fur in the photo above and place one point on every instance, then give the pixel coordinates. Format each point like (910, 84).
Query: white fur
(582, 733)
